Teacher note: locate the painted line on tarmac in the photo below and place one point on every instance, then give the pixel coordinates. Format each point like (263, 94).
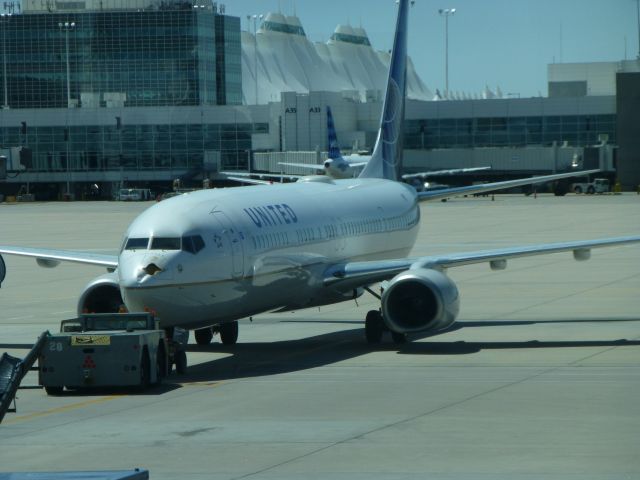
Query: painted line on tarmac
(65, 408)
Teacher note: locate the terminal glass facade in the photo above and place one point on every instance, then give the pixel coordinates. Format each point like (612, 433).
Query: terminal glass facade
(134, 147)
(121, 58)
(228, 60)
(577, 130)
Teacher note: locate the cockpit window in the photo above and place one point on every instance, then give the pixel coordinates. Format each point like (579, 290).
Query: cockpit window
(192, 243)
(137, 244)
(165, 243)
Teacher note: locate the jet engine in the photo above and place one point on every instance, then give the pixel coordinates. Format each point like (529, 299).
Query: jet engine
(101, 295)
(420, 300)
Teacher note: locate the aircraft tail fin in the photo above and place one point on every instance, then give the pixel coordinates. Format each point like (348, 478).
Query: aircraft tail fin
(386, 161)
(334, 149)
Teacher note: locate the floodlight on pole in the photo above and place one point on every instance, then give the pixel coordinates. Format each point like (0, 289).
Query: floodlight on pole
(66, 26)
(446, 13)
(255, 18)
(5, 17)
(638, 9)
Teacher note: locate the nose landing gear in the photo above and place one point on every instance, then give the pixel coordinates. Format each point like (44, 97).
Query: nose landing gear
(228, 334)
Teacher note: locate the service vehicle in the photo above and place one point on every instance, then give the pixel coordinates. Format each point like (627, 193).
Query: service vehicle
(134, 195)
(598, 185)
(108, 350)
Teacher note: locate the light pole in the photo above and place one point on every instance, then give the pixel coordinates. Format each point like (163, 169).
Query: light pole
(446, 13)
(638, 9)
(255, 46)
(5, 21)
(67, 26)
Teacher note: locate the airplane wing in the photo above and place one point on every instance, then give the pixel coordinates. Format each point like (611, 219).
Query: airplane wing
(250, 181)
(435, 173)
(357, 164)
(248, 177)
(51, 258)
(490, 187)
(308, 166)
(356, 274)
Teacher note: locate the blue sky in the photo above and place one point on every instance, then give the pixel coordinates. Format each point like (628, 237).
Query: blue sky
(491, 42)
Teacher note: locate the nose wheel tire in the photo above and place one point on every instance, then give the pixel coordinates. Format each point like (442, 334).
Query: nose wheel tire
(204, 336)
(229, 333)
(373, 327)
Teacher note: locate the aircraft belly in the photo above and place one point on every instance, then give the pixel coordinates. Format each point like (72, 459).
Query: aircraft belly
(189, 305)
(199, 305)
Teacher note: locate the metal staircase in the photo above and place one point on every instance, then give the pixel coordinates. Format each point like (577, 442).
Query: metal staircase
(13, 371)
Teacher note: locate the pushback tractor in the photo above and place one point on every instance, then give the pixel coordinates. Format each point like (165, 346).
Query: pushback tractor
(108, 350)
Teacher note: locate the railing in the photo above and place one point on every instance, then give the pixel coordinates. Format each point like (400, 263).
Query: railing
(12, 371)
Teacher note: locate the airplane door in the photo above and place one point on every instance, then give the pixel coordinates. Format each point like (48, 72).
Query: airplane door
(235, 240)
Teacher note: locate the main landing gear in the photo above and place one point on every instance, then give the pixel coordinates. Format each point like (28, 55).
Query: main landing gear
(228, 334)
(374, 327)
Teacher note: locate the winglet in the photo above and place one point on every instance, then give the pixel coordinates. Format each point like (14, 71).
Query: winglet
(334, 149)
(386, 161)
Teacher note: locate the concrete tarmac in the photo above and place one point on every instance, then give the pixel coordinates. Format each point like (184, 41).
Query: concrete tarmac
(539, 379)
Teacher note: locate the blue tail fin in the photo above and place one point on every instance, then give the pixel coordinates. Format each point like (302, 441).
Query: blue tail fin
(334, 149)
(386, 161)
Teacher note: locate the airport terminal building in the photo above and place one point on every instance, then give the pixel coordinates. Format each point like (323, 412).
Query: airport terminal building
(141, 92)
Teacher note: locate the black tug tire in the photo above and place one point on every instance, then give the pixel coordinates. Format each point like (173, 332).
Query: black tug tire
(145, 369)
(161, 363)
(53, 391)
(181, 362)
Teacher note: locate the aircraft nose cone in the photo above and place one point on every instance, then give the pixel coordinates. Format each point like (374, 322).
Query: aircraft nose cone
(141, 270)
(131, 274)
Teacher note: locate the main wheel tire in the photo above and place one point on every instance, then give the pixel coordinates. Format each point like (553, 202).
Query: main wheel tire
(373, 327)
(578, 190)
(229, 333)
(591, 190)
(181, 362)
(203, 336)
(399, 338)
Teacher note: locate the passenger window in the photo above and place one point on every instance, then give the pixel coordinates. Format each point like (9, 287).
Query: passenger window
(165, 243)
(137, 244)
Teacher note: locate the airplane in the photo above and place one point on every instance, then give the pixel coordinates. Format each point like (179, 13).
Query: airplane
(206, 259)
(340, 166)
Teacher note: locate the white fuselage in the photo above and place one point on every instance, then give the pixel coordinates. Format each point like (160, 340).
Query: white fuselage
(345, 167)
(265, 247)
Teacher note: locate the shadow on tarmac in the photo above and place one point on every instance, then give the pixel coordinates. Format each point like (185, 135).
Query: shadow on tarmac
(248, 360)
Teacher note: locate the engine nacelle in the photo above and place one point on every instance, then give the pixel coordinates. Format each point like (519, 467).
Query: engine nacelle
(101, 295)
(420, 300)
